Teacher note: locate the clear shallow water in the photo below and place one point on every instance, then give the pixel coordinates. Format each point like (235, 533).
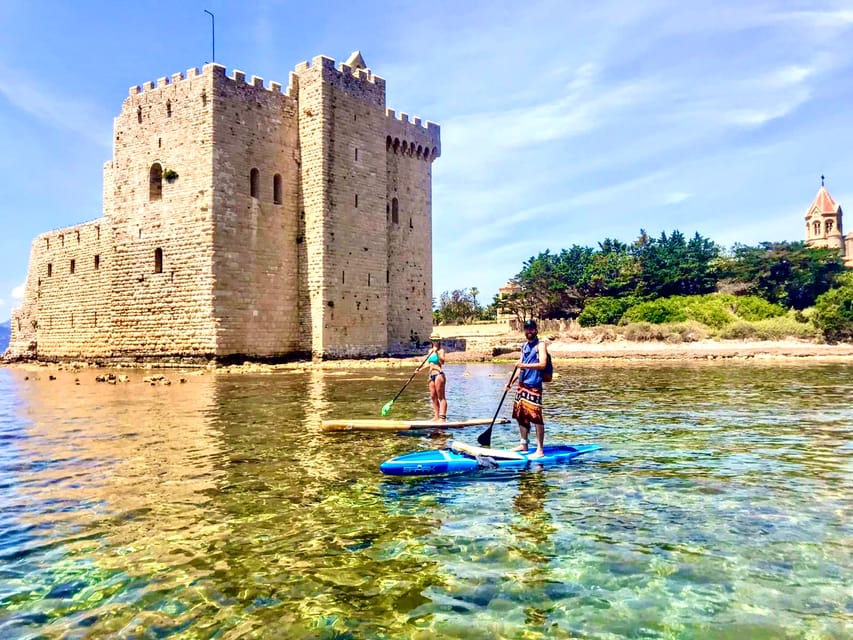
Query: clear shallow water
(719, 507)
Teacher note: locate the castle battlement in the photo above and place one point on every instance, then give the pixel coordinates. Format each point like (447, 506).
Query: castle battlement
(218, 71)
(342, 71)
(412, 136)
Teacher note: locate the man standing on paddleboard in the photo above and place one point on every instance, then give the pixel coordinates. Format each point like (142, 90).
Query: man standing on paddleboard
(527, 409)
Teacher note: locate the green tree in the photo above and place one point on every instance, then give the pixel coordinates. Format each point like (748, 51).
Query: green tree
(459, 306)
(834, 311)
(791, 274)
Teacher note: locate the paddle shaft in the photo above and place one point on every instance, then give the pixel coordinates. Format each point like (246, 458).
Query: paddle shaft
(485, 438)
(412, 377)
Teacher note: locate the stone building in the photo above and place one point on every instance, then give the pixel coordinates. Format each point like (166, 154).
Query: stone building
(243, 220)
(823, 225)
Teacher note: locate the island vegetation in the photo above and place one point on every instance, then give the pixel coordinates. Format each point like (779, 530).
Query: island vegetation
(673, 288)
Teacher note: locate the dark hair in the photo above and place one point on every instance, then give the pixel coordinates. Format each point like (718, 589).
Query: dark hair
(530, 324)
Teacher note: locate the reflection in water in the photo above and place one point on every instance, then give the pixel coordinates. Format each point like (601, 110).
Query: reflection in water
(217, 508)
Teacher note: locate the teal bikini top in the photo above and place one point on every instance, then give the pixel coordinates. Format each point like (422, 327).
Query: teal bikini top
(433, 359)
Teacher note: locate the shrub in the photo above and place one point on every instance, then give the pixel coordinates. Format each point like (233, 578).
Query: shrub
(755, 308)
(689, 331)
(740, 330)
(834, 312)
(642, 332)
(657, 311)
(606, 310)
(784, 327)
(712, 310)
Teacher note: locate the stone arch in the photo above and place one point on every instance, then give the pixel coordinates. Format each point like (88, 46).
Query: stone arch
(388, 143)
(396, 145)
(155, 182)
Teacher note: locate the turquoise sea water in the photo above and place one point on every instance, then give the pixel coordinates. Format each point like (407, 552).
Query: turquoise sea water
(719, 507)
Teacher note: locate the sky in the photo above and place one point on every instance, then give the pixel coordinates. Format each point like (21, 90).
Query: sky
(561, 122)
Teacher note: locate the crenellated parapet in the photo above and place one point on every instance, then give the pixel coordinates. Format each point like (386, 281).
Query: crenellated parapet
(165, 87)
(412, 137)
(352, 78)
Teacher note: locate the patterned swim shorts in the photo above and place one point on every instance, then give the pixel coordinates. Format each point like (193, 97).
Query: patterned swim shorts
(527, 409)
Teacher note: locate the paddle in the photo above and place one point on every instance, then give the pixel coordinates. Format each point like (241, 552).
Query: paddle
(387, 408)
(485, 438)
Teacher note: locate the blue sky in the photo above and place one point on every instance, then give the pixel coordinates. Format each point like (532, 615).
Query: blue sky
(562, 122)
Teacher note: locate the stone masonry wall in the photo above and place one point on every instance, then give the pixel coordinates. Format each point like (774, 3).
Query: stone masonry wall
(255, 249)
(65, 310)
(191, 259)
(411, 149)
(343, 173)
(169, 312)
(314, 126)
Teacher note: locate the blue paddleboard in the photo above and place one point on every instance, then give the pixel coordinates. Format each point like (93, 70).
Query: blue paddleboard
(460, 458)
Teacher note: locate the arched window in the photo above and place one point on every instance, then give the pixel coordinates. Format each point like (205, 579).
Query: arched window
(395, 211)
(426, 153)
(816, 227)
(155, 182)
(276, 188)
(158, 260)
(829, 226)
(388, 143)
(255, 183)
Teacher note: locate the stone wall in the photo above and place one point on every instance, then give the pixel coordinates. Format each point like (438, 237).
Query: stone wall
(410, 151)
(254, 246)
(242, 221)
(163, 307)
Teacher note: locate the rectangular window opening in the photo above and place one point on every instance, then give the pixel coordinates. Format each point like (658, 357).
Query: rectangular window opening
(49, 269)
(97, 262)
(356, 201)
(73, 266)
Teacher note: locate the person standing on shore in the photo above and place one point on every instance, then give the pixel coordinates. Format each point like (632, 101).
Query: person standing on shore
(527, 409)
(437, 379)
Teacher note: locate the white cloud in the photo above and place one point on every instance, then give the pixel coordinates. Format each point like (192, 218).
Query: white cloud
(61, 111)
(18, 292)
(676, 197)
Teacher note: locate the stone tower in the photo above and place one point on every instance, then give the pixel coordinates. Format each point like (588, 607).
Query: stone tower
(824, 225)
(240, 220)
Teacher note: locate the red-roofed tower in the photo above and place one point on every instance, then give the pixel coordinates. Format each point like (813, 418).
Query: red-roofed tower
(824, 225)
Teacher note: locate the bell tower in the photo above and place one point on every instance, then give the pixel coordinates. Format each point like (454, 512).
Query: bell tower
(823, 221)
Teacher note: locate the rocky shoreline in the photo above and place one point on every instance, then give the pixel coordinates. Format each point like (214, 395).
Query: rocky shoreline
(505, 347)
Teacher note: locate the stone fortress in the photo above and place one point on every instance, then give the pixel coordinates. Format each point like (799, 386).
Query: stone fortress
(823, 225)
(240, 220)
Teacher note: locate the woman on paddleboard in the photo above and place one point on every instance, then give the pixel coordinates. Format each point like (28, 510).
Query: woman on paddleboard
(437, 379)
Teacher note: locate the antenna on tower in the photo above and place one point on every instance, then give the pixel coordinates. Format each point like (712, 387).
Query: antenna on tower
(212, 35)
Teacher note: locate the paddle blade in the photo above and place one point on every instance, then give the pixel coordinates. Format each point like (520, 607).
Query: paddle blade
(485, 438)
(387, 407)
